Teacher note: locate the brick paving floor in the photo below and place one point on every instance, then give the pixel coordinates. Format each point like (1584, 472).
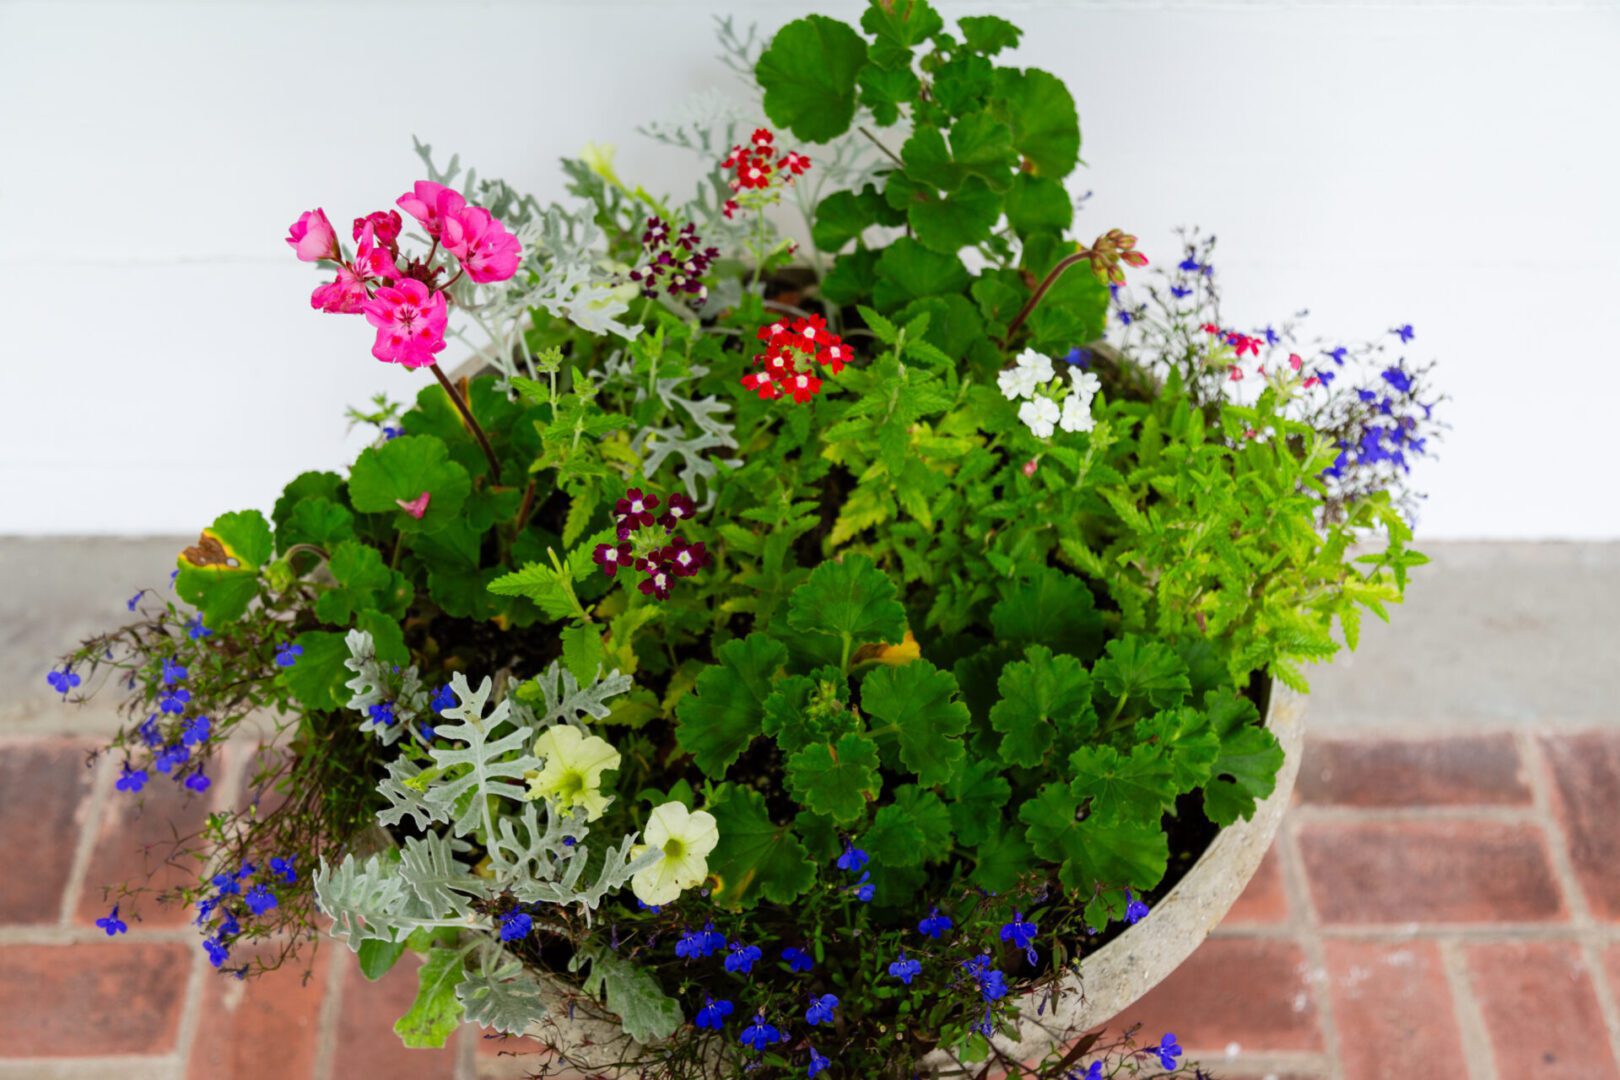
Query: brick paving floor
(1442, 902)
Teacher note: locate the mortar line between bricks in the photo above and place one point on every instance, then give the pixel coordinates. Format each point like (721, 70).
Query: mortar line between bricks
(1295, 1063)
(89, 833)
(87, 935)
(1303, 918)
(190, 1013)
(225, 795)
(1470, 932)
(1319, 814)
(1541, 781)
(1478, 1054)
(331, 1009)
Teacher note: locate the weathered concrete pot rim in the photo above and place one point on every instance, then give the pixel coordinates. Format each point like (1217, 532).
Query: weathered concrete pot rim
(1110, 981)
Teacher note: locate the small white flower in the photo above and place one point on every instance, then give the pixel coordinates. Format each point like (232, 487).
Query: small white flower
(1031, 370)
(685, 838)
(1085, 383)
(1040, 416)
(1077, 406)
(1076, 414)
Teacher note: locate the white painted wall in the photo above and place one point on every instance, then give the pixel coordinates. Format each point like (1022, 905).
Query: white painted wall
(1453, 166)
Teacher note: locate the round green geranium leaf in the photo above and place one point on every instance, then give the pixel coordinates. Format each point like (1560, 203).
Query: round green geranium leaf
(808, 75)
(400, 471)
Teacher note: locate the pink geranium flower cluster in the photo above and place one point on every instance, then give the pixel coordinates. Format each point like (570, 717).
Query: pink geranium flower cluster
(406, 302)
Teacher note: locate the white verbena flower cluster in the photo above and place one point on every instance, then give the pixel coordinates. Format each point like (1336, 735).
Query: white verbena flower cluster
(1047, 404)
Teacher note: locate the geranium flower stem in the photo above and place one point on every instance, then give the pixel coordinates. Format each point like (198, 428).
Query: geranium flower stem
(1040, 291)
(472, 424)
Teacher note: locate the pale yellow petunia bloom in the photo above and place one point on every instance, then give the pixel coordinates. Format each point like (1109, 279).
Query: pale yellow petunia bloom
(686, 838)
(572, 776)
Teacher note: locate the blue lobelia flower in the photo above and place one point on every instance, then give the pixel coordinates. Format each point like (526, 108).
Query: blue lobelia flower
(905, 969)
(197, 631)
(217, 952)
(131, 780)
(818, 1063)
(259, 899)
(759, 1034)
(742, 957)
(515, 926)
(1404, 332)
(696, 944)
(821, 1010)
(112, 924)
(1021, 933)
(1167, 1049)
(798, 959)
(1135, 910)
(62, 681)
(1400, 380)
(1180, 292)
(172, 672)
(863, 889)
(198, 782)
(136, 599)
(852, 859)
(283, 868)
(287, 654)
(935, 924)
(196, 732)
(166, 759)
(443, 698)
(174, 700)
(713, 1014)
(382, 714)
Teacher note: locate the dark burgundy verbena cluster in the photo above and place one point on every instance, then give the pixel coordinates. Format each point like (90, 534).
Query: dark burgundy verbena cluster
(675, 264)
(662, 556)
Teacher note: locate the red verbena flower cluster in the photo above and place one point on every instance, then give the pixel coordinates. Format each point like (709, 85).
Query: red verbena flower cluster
(675, 264)
(786, 364)
(661, 556)
(755, 166)
(406, 302)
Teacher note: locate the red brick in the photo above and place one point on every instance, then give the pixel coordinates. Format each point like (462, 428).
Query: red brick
(1429, 872)
(1541, 1012)
(1586, 783)
(1393, 1010)
(91, 999)
(366, 1043)
(1469, 771)
(1249, 991)
(263, 1028)
(46, 786)
(1264, 900)
(135, 845)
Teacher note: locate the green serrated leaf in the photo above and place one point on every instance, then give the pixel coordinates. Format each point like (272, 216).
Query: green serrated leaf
(400, 471)
(808, 75)
(722, 716)
(1042, 696)
(851, 601)
(836, 779)
(756, 858)
(918, 701)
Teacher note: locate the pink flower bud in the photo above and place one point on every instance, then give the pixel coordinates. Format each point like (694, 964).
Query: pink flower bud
(1030, 466)
(415, 507)
(312, 237)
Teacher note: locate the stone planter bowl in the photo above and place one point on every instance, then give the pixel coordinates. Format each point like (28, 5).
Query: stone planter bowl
(1111, 979)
